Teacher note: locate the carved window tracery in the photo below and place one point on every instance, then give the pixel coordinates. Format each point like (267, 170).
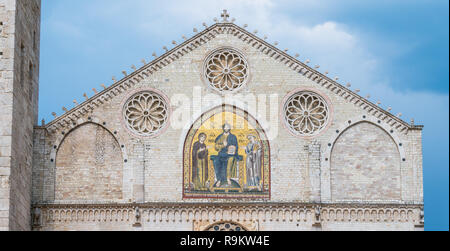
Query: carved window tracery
(306, 113)
(226, 227)
(226, 70)
(146, 113)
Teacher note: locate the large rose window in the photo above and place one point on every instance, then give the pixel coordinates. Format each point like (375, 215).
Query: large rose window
(146, 113)
(226, 70)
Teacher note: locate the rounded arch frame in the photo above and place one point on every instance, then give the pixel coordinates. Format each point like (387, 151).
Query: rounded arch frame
(57, 143)
(262, 132)
(344, 127)
(208, 228)
(81, 122)
(213, 104)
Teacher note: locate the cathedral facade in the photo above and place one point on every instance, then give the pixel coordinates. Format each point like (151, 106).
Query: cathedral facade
(224, 131)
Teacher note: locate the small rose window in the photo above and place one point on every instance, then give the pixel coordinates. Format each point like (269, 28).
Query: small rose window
(306, 113)
(146, 113)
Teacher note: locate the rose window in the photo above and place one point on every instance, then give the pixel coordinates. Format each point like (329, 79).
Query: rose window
(223, 227)
(146, 113)
(306, 113)
(226, 70)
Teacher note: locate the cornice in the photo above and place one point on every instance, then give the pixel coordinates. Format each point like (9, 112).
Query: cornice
(203, 214)
(225, 205)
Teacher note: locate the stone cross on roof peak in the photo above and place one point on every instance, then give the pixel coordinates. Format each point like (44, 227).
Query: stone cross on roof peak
(225, 15)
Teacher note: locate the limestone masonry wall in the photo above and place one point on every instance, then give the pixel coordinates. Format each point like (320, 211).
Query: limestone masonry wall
(365, 165)
(361, 158)
(89, 168)
(19, 75)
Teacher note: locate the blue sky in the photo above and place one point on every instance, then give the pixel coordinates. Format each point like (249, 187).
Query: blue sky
(396, 51)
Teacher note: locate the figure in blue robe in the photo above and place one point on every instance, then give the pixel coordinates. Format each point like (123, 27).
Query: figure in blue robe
(226, 163)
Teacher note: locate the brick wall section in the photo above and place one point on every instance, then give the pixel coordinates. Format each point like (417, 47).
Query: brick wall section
(365, 165)
(89, 166)
(414, 170)
(19, 74)
(314, 157)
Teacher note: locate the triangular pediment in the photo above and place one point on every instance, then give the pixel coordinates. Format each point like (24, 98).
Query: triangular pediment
(204, 37)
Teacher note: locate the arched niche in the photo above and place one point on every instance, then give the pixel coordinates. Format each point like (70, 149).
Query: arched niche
(89, 166)
(247, 174)
(226, 226)
(365, 165)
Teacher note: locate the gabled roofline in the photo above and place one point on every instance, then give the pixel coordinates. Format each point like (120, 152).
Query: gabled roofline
(128, 77)
(321, 75)
(198, 40)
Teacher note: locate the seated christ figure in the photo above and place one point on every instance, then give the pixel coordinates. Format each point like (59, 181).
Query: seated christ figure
(225, 164)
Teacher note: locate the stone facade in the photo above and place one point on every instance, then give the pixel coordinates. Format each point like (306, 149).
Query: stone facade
(19, 75)
(360, 168)
(89, 168)
(365, 165)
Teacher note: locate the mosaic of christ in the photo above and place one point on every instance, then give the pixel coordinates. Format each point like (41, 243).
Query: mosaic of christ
(226, 157)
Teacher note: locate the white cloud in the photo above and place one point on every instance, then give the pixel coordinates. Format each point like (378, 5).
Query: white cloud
(328, 44)
(334, 46)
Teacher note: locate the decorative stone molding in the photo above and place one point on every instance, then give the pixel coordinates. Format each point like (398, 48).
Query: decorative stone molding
(36, 218)
(137, 217)
(226, 226)
(421, 224)
(202, 38)
(203, 215)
